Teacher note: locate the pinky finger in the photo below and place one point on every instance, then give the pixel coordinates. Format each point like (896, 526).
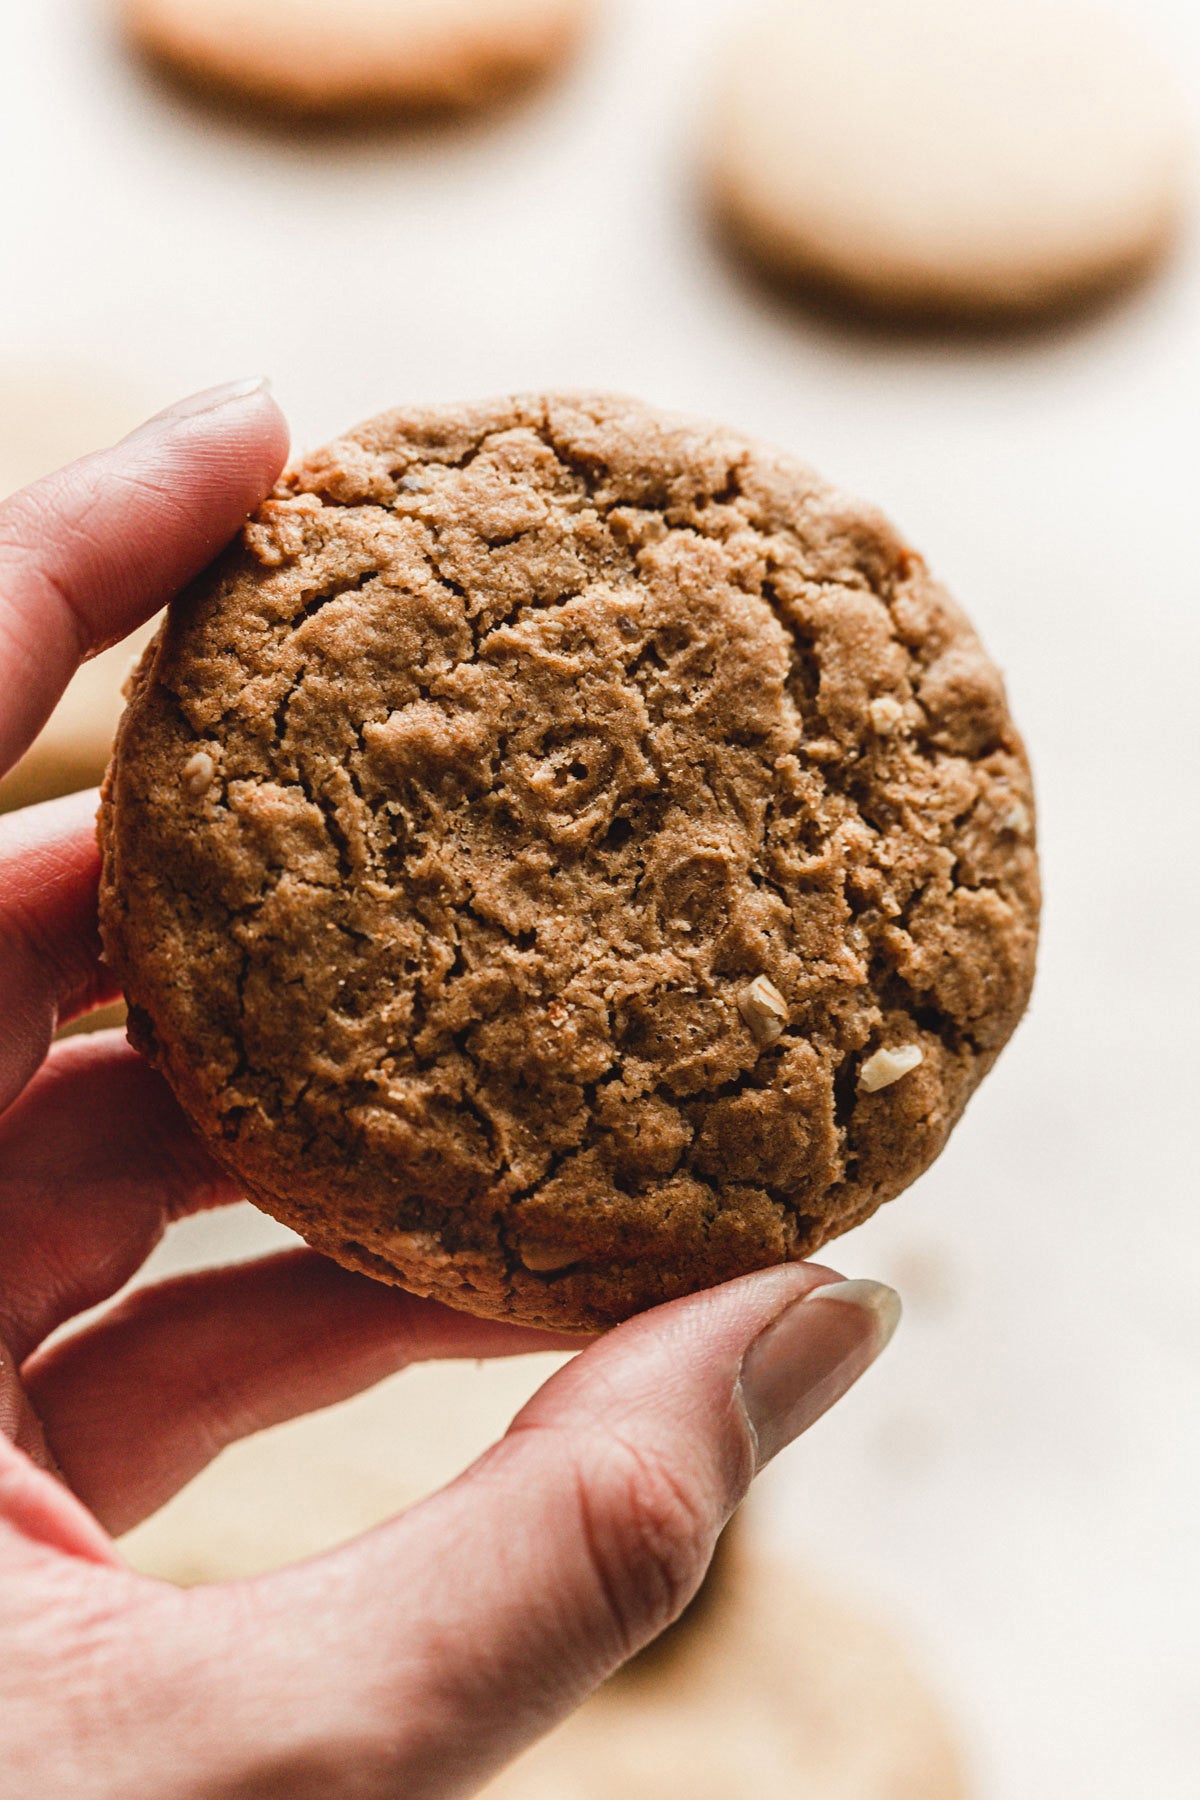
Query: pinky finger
(138, 1403)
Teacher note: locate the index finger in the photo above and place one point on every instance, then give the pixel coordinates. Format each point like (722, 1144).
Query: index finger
(89, 553)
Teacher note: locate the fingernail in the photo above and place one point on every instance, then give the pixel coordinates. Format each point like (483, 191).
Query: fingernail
(210, 400)
(883, 1303)
(810, 1356)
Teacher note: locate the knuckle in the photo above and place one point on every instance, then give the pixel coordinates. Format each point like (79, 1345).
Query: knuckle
(649, 1534)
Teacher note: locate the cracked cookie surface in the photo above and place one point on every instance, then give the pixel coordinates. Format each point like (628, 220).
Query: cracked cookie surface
(563, 856)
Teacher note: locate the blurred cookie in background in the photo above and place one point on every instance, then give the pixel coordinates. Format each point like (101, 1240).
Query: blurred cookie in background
(778, 1691)
(47, 421)
(928, 159)
(338, 58)
(301, 1488)
(767, 1687)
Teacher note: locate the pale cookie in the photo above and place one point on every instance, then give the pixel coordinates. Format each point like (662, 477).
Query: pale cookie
(511, 866)
(937, 157)
(345, 56)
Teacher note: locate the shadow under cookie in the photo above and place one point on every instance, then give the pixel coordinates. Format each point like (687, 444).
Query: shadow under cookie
(861, 314)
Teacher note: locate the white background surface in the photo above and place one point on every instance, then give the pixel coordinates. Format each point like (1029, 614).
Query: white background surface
(1019, 1483)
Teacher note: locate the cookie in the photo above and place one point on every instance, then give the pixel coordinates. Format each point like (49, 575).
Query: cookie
(302, 1488)
(314, 57)
(930, 158)
(782, 1692)
(774, 1687)
(565, 856)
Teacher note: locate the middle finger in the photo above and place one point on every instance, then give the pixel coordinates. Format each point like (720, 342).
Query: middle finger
(50, 964)
(96, 1158)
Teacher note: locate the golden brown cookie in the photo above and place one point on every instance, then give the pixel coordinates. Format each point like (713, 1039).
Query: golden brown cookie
(565, 856)
(934, 158)
(334, 57)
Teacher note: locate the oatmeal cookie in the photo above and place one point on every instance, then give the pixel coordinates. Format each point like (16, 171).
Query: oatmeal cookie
(563, 856)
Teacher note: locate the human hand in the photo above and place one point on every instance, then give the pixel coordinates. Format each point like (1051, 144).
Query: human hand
(421, 1658)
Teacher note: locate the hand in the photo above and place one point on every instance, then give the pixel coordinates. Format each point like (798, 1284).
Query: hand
(421, 1658)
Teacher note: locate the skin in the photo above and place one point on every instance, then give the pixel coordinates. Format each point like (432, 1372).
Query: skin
(424, 1656)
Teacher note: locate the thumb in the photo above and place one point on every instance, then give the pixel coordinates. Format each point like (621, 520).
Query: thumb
(452, 1638)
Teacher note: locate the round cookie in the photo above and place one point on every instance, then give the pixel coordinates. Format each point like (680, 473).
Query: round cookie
(564, 856)
(926, 157)
(771, 1686)
(345, 56)
(782, 1692)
